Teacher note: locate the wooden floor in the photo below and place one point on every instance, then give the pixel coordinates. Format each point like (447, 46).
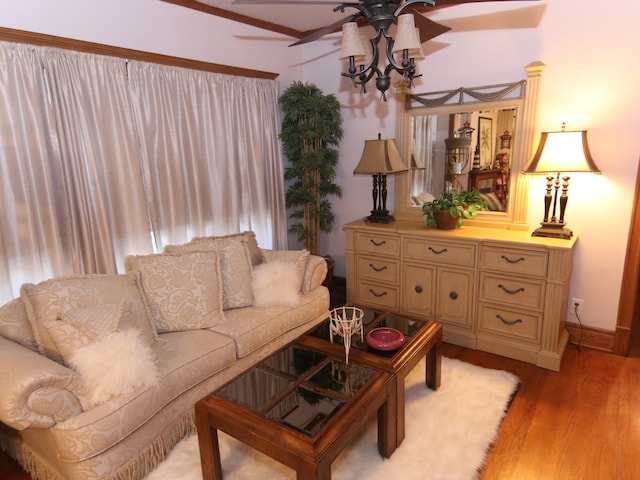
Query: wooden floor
(581, 423)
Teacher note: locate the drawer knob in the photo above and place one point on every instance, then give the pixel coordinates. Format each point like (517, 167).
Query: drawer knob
(418, 289)
(453, 295)
(511, 292)
(437, 252)
(377, 269)
(375, 294)
(378, 244)
(508, 322)
(512, 260)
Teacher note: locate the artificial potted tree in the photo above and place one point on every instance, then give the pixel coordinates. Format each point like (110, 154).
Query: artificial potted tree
(311, 131)
(450, 209)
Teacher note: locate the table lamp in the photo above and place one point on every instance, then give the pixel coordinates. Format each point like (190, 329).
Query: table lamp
(559, 153)
(379, 158)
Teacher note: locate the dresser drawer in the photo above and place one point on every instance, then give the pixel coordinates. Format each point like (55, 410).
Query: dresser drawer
(510, 323)
(379, 244)
(509, 260)
(443, 252)
(378, 295)
(517, 291)
(378, 269)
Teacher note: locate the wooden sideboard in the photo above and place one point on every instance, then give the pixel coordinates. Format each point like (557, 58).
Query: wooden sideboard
(500, 291)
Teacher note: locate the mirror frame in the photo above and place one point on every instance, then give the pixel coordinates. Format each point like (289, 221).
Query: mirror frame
(522, 95)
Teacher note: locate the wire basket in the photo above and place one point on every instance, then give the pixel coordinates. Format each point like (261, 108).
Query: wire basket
(345, 322)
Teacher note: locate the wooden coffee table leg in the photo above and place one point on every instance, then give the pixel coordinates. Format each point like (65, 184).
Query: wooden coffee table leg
(209, 447)
(432, 373)
(387, 425)
(312, 471)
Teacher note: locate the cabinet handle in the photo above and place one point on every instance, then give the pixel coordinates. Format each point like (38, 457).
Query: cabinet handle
(437, 252)
(377, 294)
(377, 269)
(378, 244)
(453, 295)
(507, 259)
(512, 292)
(508, 322)
(418, 289)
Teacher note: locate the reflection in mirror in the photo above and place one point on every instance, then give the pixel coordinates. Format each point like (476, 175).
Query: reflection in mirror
(463, 151)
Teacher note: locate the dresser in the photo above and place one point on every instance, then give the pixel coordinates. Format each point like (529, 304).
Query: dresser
(500, 291)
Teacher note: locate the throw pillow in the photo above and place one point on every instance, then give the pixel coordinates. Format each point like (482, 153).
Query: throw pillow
(276, 283)
(45, 302)
(81, 327)
(184, 291)
(235, 266)
(14, 324)
(252, 244)
(115, 364)
(298, 258)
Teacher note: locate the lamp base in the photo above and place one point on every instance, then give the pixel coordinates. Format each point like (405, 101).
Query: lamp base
(553, 230)
(380, 216)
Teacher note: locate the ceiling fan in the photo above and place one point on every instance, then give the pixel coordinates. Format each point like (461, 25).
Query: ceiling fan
(380, 14)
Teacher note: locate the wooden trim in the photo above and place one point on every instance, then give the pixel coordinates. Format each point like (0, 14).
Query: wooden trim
(32, 38)
(591, 337)
(237, 17)
(630, 278)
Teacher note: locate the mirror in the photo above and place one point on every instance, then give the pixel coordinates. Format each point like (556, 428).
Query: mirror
(468, 138)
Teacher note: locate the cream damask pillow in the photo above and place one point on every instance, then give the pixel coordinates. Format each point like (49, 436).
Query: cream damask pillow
(46, 301)
(235, 266)
(184, 290)
(252, 244)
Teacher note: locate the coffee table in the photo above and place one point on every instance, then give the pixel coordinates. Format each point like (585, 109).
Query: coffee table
(423, 338)
(301, 406)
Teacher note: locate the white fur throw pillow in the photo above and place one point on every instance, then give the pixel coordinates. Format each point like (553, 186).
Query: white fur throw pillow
(114, 364)
(276, 284)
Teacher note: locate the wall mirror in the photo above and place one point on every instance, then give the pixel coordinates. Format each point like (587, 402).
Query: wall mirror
(468, 138)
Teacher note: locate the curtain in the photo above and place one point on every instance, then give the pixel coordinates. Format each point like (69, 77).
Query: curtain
(199, 130)
(101, 158)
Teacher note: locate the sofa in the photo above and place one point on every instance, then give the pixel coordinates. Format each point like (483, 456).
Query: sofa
(99, 373)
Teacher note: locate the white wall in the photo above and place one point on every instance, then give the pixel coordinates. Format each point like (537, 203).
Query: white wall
(589, 83)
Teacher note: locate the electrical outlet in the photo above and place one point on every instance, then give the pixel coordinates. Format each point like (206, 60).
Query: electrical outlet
(576, 305)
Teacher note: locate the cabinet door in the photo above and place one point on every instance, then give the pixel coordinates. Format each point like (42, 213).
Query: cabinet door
(454, 297)
(419, 288)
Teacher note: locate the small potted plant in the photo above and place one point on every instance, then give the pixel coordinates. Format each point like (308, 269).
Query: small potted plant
(449, 210)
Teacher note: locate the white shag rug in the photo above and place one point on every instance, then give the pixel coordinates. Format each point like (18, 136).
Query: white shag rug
(448, 435)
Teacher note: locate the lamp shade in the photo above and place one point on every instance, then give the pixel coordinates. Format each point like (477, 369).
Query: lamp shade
(407, 36)
(566, 152)
(352, 44)
(380, 156)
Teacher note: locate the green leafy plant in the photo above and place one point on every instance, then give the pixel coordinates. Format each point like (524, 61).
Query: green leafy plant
(460, 205)
(311, 128)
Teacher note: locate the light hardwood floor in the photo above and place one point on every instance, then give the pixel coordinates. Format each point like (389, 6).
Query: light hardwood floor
(581, 423)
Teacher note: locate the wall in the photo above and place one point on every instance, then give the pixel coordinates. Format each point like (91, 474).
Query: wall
(589, 83)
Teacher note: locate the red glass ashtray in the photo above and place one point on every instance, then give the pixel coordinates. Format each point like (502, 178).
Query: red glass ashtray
(385, 338)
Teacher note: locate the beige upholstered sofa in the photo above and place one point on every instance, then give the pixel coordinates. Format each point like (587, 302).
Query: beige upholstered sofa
(99, 373)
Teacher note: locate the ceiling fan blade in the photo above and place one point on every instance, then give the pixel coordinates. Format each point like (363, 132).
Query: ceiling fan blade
(285, 2)
(447, 3)
(428, 28)
(321, 32)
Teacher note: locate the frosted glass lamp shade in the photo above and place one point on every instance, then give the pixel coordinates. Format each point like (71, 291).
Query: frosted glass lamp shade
(352, 44)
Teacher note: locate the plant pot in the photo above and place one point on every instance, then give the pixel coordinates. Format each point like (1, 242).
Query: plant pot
(445, 221)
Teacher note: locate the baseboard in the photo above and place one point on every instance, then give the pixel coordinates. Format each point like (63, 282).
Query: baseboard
(591, 337)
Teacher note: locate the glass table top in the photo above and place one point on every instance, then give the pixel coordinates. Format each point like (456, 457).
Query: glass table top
(298, 387)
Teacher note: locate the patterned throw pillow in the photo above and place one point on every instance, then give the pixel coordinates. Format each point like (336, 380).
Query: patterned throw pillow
(46, 301)
(184, 291)
(252, 244)
(235, 266)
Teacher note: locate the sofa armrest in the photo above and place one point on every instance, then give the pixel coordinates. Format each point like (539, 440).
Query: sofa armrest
(36, 391)
(314, 274)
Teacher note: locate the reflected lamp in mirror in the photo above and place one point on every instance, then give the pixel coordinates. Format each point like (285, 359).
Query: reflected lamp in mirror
(558, 154)
(380, 158)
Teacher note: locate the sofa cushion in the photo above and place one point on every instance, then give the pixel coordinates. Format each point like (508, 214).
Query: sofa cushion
(276, 283)
(184, 290)
(252, 244)
(253, 327)
(114, 364)
(46, 301)
(235, 265)
(184, 359)
(14, 324)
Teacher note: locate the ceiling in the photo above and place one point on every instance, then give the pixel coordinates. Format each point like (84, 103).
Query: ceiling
(297, 21)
